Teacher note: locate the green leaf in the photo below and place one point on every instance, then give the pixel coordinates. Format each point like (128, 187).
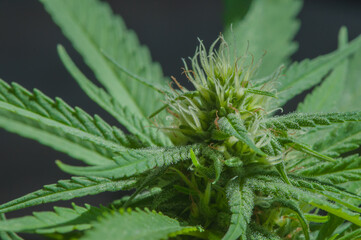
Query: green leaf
(232, 125)
(331, 191)
(293, 206)
(302, 76)
(62, 220)
(328, 228)
(56, 124)
(305, 149)
(241, 203)
(275, 186)
(354, 235)
(8, 235)
(336, 210)
(268, 26)
(92, 27)
(351, 94)
(134, 162)
(282, 171)
(67, 189)
(327, 97)
(135, 225)
(299, 120)
(140, 127)
(344, 170)
(259, 92)
(345, 138)
(316, 218)
(257, 232)
(334, 237)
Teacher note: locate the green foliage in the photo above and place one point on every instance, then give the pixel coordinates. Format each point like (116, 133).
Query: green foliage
(150, 226)
(241, 202)
(327, 96)
(136, 125)
(56, 124)
(61, 220)
(328, 229)
(302, 76)
(354, 235)
(134, 162)
(8, 235)
(217, 164)
(344, 170)
(232, 126)
(92, 28)
(67, 189)
(268, 27)
(298, 121)
(340, 140)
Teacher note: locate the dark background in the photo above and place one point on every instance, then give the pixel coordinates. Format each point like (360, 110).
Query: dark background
(170, 28)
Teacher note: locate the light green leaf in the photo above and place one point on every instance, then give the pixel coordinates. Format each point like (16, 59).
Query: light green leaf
(269, 26)
(342, 139)
(282, 171)
(293, 206)
(328, 228)
(149, 226)
(140, 127)
(134, 162)
(299, 120)
(344, 170)
(67, 189)
(316, 218)
(351, 94)
(56, 124)
(336, 210)
(275, 186)
(260, 233)
(241, 203)
(8, 235)
(354, 235)
(91, 26)
(62, 220)
(232, 126)
(328, 96)
(305, 149)
(302, 76)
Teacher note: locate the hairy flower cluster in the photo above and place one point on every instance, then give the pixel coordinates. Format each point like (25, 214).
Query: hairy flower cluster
(223, 85)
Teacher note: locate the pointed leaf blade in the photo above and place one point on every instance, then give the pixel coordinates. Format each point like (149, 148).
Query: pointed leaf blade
(140, 127)
(134, 162)
(150, 226)
(66, 190)
(91, 26)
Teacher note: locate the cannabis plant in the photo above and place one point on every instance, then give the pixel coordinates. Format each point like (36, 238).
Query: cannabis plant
(218, 161)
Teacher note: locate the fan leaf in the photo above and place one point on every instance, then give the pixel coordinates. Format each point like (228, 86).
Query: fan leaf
(140, 127)
(279, 17)
(92, 27)
(344, 170)
(66, 190)
(298, 121)
(61, 220)
(54, 123)
(327, 96)
(302, 76)
(150, 226)
(134, 162)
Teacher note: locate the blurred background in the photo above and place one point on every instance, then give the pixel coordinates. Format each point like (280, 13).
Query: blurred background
(169, 28)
